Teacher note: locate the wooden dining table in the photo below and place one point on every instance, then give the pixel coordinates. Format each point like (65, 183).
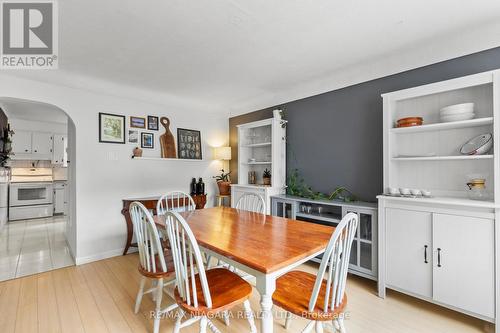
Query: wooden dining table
(261, 245)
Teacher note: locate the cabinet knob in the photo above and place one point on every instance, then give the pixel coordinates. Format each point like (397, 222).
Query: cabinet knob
(26, 150)
(425, 254)
(36, 151)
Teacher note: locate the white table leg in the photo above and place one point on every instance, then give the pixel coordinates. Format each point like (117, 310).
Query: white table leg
(266, 285)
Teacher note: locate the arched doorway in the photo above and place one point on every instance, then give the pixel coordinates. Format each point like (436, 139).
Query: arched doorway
(38, 232)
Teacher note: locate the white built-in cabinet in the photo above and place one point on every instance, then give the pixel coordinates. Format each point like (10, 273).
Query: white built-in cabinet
(261, 146)
(464, 263)
(34, 145)
(443, 257)
(409, 244)
(443, 249)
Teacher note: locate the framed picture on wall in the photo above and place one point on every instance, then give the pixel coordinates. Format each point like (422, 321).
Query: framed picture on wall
(189, 144)
(111, 128)
(153, 123)
(133, 136)
(147, 140)
(137, 122)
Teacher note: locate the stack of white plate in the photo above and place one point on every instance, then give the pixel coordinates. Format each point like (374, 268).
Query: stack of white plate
(457, 112)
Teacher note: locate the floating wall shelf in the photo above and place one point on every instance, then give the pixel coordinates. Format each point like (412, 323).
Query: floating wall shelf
(167, 159)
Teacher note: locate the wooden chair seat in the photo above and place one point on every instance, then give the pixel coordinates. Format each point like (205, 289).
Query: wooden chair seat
(293, 292)
(226, 288)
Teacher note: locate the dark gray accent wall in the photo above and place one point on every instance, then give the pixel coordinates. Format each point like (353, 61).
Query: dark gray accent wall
(335, 138)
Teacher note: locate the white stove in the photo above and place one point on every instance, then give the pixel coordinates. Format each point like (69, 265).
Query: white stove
(31, 193)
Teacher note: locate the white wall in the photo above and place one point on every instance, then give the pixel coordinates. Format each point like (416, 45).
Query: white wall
(105, 173)
(39, 126)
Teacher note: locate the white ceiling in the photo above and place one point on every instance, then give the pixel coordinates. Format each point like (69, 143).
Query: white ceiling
(236, 55)
(31, 110)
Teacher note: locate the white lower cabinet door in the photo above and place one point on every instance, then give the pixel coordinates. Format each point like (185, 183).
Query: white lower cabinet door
(463, 269)
(408, 251)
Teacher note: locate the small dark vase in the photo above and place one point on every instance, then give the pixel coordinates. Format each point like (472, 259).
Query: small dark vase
(192, 187)
(200, 187)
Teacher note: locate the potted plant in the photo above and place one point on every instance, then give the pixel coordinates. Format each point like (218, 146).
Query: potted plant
(266, 176)
(223, 182)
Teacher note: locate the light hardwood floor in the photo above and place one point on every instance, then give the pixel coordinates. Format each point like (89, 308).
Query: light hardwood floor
(99, 297)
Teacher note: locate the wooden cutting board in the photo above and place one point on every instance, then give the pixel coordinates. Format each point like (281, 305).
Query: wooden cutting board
(167, 141)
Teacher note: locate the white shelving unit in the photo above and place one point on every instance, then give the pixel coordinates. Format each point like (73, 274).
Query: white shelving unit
(442, 249)
(261, 146)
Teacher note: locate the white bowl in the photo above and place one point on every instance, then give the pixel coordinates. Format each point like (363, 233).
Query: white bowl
(415, 192)
(426, 193)
(404, 191)
(392, 191)
(454, 112)
(457, 117)
(457, 108)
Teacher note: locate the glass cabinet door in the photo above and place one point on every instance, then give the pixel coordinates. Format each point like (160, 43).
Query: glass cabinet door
(365, 226)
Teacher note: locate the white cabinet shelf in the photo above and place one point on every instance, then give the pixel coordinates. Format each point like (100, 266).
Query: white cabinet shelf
(444, 158)
(256, 145)
(445, 126)
(258, 163)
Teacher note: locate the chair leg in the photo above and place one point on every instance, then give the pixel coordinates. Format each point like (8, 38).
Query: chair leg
(309, 327)
(342, 329)
(225, 316)
(203, 324)
(140, 293)
(319, 327)
(212, 327)
(158, 297)
(177, 326)
(249, 315)
(153, 285)
(288, 320)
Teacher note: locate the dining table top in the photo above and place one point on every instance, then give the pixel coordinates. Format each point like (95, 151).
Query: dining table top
(262, 242)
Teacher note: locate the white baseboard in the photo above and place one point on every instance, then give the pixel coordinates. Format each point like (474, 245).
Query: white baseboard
(101, 256)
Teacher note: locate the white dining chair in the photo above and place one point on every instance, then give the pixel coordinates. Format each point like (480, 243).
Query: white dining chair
(154, 265)
(177, 201)
(327, 299)
(251, 202)
(202, 294)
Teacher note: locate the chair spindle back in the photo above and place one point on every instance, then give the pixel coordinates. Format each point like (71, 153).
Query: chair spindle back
(336, 261)
(251, 202)
(148, 240)
(177, 201)
(187, 260)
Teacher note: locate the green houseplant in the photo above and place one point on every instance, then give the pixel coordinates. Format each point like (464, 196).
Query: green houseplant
(223, 182)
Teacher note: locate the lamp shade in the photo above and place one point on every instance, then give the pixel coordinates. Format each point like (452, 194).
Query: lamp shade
(222, 153)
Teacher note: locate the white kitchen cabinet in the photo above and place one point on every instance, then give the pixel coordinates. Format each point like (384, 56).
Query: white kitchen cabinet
(28, 145)
(59, 150)
(59, 198)
(21, 142)
(463, 270)
(409, 251)
(41, 143)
